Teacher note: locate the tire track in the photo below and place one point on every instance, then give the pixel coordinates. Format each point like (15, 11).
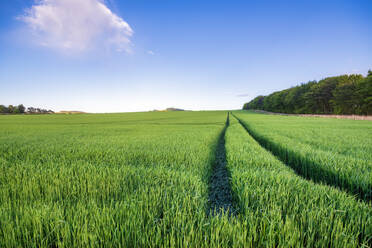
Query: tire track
(306, 169)
(220, 193)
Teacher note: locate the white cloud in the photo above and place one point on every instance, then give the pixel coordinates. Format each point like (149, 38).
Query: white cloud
(150, 52)
(243, 95)
(77, 25)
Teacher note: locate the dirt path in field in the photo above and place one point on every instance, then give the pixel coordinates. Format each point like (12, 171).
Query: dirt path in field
(220, 196)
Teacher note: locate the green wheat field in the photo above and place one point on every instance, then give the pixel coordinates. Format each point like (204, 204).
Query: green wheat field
(144, 180)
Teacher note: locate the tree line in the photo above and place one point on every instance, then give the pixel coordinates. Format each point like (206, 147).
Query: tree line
(21, 109)
(345, 94)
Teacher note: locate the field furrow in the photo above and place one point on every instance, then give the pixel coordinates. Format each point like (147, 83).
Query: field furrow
(220, 196)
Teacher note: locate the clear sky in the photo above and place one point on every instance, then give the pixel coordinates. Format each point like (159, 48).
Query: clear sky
(137, 55)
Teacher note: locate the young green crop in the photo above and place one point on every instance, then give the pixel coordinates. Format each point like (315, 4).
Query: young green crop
(106, 180)
(333, 151)
(142, 180)
(285, 210)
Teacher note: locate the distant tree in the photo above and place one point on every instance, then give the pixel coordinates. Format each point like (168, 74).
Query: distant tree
(277, 101)
(30, 110)
(256, 103)
(21, 108)
(364, 96)
(321, 94)
(3, 109)
(295, 100)
(16, 110)
(345, 100)
(11, 109)
(345, 94)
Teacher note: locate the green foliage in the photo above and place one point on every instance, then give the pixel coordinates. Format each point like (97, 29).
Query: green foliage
(21, 109)
(257, 103)
(346, 94)
(364, 96)
(11, 109)
(3, 109)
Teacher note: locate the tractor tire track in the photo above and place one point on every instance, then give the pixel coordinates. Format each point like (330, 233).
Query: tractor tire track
(306, 169)
(220, 193)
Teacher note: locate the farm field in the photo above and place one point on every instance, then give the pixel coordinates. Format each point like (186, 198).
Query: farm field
(335, 152)
(146, 180)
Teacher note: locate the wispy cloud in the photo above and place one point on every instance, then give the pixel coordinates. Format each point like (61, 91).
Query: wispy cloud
(150, 52)
(77, 25)
(243, 95)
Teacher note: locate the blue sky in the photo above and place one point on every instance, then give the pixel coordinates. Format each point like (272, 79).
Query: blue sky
(142, 55)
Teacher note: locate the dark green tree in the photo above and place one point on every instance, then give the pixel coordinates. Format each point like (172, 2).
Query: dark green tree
(256, 103)
(11, 109)
(345, 94)
(21, 108)
(345, 99)
(364, 96)
(3, 109)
